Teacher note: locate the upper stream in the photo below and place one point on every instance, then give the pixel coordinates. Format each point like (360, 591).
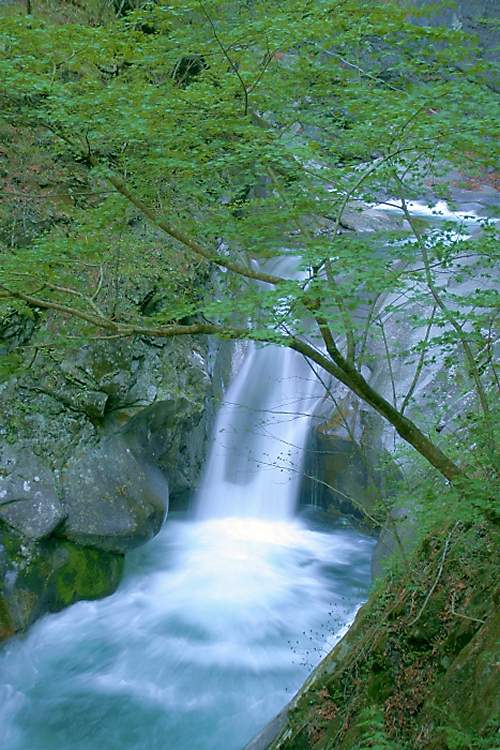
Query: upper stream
(219, 619)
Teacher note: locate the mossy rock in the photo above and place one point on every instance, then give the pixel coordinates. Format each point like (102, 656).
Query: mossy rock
(468, 694)
(49, 575)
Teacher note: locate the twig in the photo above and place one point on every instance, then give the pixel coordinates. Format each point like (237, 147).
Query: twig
(458, 614)
(99, 284)
(365, 73)
(438, 577)
(420, 364)
(389, 362)
(268, 58)
(226, 54)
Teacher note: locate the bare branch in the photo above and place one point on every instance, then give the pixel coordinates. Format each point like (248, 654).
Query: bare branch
(437, 579)
(420, 364)
(226, 54)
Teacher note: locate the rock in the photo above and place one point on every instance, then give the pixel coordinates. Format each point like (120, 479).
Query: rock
(47, 576)
(469, 688)
(28, 495)
(354, 469)
(472, 16)
(101, 426)
(112, 501)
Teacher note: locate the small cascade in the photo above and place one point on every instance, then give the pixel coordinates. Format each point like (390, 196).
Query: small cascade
(256, 459)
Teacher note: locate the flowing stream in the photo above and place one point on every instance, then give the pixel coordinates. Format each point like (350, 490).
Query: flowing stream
(219, 619)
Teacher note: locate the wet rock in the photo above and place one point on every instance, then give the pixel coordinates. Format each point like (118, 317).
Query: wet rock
(348, 468)
(112, 501)
(46, 576)
(28, 496)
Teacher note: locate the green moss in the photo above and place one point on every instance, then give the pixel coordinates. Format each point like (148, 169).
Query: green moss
(83, 573)
(49, 575)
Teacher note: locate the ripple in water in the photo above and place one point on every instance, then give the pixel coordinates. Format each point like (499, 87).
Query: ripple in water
(216, 625)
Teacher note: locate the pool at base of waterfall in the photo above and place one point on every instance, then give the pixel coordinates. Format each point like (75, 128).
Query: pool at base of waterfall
(215, 626)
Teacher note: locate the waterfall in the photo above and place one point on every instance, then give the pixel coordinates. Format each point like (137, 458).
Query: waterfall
(256, 458)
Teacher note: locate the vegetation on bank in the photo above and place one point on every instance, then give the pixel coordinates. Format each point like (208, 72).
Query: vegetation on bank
(418, 669)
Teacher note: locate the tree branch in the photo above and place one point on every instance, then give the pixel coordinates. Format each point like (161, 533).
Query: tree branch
(233, 65)
(420, 364)
(184, 239)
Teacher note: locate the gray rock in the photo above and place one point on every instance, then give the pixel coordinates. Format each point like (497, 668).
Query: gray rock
(112, 501)
(28, 495)
(472, 16)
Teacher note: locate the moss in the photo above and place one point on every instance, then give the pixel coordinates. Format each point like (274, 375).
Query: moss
(83, 573)
(49, 575)
(468, 690)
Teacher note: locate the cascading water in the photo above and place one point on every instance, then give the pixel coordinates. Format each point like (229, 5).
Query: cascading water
(254, 468)
(219, 619)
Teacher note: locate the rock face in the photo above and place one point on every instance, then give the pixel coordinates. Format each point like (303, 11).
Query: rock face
(347, 455)
(93, 442)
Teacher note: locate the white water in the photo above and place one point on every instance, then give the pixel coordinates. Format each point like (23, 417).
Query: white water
(256, 457)
(218, 620)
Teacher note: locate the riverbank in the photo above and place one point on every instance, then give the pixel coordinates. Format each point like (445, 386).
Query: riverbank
(417, 670)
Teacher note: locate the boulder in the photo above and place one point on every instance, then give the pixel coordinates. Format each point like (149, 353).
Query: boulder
(112, 501)
(29, 501)
(48, 575)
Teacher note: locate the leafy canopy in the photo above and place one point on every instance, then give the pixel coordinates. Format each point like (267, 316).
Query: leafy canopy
(186, 136)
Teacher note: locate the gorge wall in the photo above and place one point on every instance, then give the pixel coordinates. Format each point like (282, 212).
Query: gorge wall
(94, 440)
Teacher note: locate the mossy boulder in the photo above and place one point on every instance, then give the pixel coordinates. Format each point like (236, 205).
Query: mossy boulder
(47, 576)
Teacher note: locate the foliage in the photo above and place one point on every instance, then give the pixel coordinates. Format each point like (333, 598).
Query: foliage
(374, 736)
(182, 140)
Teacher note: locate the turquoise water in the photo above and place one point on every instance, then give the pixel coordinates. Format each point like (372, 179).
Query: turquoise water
(215, 626)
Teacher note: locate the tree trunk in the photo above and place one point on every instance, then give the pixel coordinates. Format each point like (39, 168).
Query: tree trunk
(407, 429)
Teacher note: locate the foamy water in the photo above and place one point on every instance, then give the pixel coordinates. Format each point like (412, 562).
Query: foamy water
(216, 625)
